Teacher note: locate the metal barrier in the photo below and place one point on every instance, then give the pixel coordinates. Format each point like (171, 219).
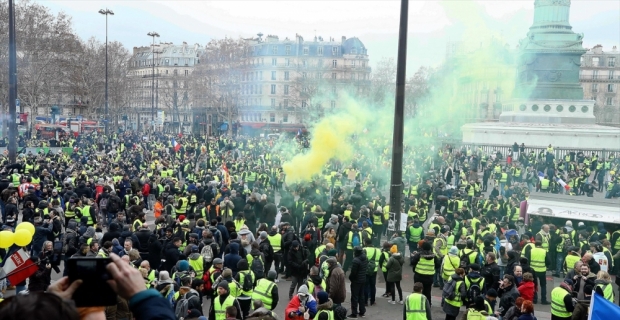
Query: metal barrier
(36, 150)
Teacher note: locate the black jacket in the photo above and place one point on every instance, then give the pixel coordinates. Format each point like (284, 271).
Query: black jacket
(143, 236)
(298, 262)
(490, 272)
(359, 268)
(171, 254)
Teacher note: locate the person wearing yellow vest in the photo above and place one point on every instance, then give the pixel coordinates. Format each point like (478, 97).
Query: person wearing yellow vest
(451, 261)
(104, 252)
(603, 286)
(222, 301)
(543, 236)
(478, 311)
(373, 254)
(538, 258)
(417, 307)
(245, 296)
(89, 212)
(266, 290)
(562, 306)
(440, 248)
(414, 234)
(424, 264)
(197, 262)
(324, 307)
(452, 303)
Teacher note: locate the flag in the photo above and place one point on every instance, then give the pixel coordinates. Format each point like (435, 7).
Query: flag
(601, 308)
(227, 179)
(175, 145)
(19, 267)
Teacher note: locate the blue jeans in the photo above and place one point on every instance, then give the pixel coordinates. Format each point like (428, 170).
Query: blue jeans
(559, 262)
(501, 188)
(437, 279)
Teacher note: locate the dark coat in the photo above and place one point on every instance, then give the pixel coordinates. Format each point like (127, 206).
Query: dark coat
(171, 254)
(231, 259)
(42, 278)
(359, 268)
(395, 268)
(298, 262)
(154, 248)
(336, 286)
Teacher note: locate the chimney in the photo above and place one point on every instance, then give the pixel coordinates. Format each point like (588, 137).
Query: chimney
(614, 49)
(343, 39)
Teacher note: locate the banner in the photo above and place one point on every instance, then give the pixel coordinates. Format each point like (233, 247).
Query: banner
(19, 267)
(574, 211)
(601, 309)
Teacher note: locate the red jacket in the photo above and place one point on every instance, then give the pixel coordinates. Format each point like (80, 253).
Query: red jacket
(526, 289)
(146, 190)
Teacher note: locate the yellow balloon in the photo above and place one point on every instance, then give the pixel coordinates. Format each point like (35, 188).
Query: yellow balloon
(22, 237)
(26, 226)
(6, 239)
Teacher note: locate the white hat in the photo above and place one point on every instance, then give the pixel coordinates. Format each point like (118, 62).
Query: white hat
(581, 224)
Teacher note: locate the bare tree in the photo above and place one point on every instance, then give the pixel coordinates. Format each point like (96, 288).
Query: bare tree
(416, 90)
(216, 80)
(383, 82)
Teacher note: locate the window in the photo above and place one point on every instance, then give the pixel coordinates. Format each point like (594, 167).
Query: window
(319, 50)
(273, 102)
(610, 88)
(186, 61)
(260, 89)
(306, 51)
(167, 62)
(285, 103)
(273, 75)
(272, 117)
(262, 61)
(287, 50)
(175, 72)
(285, 117)
(334, 89)
(304, 63)
(333, 104)
(352, 76)
(286, 89)
(595, 87)
(320, 63)
(611, 62)
(186, 73)
(273, 89)
(304, 75)
(274, 50)
(304, 104)
(334, 63)
(287, 62)
(609, 101)
(333, 75)
(274, 61)
(286, 77)
(611, 74)
(352, 63)
(260, 74)
(353, 50)
(334, 51)
(595, 61)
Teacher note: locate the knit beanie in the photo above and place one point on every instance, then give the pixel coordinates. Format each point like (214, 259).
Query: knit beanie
(322, 296)
(394, 249)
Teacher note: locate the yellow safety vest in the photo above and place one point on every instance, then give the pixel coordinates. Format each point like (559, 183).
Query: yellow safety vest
(276, 242)
(183, 208)
(220, 308)
(473, 314)
(86, 213)
(372, 254)
(457, 301)
(415, 307)
(198, 265)
(538, 256)
(415, 234)
(545, 241)
(558, 308)
(450, 263)
(242, 275)
(444, 246)
(608, 291)
(425, 266)
(263, 292)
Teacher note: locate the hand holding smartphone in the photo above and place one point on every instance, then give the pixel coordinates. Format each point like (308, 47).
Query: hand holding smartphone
(95, 291)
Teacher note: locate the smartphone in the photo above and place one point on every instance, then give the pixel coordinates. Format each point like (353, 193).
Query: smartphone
(95, 290)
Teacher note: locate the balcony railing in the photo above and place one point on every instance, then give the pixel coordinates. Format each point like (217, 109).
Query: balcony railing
(599, 77)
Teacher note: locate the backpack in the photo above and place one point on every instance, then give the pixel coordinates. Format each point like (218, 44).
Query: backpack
(312, 234)
(103, 204)
(355, 241)
(465, 259)
(372, 264)
(206, 277)
(207, 253)
(111, 205)
(568, 242)
(248, 282)
(182, 308)
(258, 267)
(178, 275)
(365, 235)
(474, 289)
(448, 291)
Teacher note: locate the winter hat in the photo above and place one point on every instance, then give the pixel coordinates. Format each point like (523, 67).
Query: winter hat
(394, 249)
(302, 293)
(307, 237)
(492, 293)
(581, 224)
(454, 250)
(322, 296)
(164, 275)
(243, 265)
(340, 313)
(272, 275)
(181, 218)
(217, 261)
(332, 253)
(183, 265)
(194, 313)
(263, 235)
(295, 244)
(427, 246)
(224, 284)
(195, 249)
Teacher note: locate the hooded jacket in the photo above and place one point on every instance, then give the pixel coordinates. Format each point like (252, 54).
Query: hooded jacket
(295, 303)
(359, 268)
(395, 268)
(332, 223)
(232, 259)
(113, 233)
(526, 290)
(328, 306)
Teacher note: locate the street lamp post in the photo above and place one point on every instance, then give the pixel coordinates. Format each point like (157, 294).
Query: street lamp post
(12, 147)
(107, 12)
(153, 34)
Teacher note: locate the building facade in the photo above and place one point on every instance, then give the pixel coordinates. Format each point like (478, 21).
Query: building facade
(289, 82)
(162, 101)
(600, 79)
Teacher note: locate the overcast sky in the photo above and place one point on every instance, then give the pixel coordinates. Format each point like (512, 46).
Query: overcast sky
(431, 24)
